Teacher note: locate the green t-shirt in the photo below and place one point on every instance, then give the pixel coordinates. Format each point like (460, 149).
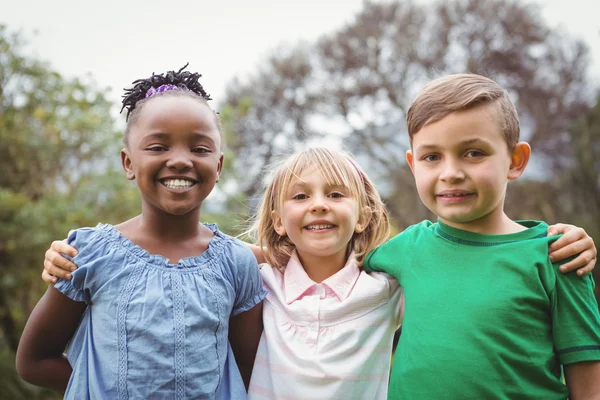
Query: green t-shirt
(487, 316)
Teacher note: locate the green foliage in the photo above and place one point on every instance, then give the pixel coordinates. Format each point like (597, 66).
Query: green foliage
(56, 135)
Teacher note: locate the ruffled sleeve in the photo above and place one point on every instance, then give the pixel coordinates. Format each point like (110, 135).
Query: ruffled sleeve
(92, 252)
(247, 281)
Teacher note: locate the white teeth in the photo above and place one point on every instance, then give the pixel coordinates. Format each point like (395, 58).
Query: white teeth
(316, 227)
(177, 183)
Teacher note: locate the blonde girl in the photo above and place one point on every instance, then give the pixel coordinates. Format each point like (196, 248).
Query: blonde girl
(328, 325)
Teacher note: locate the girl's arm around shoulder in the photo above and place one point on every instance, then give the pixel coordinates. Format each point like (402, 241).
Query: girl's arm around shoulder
(574, 242)
(583, 380)
(52, 323)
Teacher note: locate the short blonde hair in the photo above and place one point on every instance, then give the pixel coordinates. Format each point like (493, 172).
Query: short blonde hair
(458, 92)
(337, 168)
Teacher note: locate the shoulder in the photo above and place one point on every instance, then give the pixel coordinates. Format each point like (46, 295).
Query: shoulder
(422, 228)
(406, 238)
(93, 242)
(231, 251)
(88, 234)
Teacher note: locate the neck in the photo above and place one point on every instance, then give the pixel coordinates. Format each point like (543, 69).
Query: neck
(169, 227)
(501, 225)
(319, 268)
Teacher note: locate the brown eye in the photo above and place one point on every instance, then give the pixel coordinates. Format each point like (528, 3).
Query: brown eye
(431, 157)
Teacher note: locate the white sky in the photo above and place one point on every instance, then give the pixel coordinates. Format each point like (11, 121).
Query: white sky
(117, 41)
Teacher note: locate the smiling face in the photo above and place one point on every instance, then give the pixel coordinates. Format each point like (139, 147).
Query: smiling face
(174, 154)
(318, 217)
(462, 165)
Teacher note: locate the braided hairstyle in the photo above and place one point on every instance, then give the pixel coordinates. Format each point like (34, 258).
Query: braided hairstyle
(135, 97)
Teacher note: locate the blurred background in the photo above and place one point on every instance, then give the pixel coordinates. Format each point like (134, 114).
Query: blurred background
(283, 75)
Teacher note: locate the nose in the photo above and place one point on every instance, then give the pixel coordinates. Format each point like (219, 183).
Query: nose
(452, 172)
(179, 159)
(319, 204)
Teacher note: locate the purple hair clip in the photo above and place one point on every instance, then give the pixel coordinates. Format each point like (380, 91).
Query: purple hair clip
(162, 88)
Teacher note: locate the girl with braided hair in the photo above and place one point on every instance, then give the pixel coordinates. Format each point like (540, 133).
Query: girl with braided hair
(328, 325)
(160, 302)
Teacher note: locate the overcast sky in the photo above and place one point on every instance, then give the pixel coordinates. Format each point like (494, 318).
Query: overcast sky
(117, 41)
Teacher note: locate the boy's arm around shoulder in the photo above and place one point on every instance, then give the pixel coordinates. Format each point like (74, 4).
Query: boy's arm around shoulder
(52, 323)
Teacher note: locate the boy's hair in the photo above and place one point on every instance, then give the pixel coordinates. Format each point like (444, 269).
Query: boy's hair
(180, 83)
(458, 92)
(337, 168)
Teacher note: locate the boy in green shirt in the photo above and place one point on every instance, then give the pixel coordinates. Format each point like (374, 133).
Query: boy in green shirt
(488, 315)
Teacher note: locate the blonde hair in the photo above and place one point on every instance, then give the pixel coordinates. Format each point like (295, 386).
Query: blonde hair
(459, 92)
(337, 168)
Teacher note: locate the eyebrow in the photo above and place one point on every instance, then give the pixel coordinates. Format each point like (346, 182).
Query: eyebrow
(165, 135)
(468, 142)
(300, 185)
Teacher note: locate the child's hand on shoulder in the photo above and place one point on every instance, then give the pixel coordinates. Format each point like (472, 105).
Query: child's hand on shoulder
(55, 264)
(574, 242)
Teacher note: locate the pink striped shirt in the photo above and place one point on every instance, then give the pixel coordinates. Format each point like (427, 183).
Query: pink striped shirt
(331, 340)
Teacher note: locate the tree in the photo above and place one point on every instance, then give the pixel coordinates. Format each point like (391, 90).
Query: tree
(55, 137)
(358, 82)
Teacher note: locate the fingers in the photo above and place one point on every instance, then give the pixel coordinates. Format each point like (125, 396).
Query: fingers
(560, 228)
(55, 265)
(571, 234)
(574, 242)
(584, 264)
(47, 277)
(60, 271)
(61, 246)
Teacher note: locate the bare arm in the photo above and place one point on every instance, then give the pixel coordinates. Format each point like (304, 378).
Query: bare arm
(583, 380)
(245, 330)
(573, 242)
(52, 323)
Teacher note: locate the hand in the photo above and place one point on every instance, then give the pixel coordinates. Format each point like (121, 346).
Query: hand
(574, 241)
(55, 265)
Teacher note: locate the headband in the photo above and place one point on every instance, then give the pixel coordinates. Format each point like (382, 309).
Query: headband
(362, 179)
(162, 88)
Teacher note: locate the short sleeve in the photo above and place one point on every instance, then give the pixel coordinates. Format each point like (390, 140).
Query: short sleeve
(384, 258)
(248, 285)
(90, 252)
(576, 321)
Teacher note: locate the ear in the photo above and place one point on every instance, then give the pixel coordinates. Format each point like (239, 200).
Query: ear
(220, 166)
(518, 160)
(410, 160)
(127, 164)
(278, 223)
(364, 219)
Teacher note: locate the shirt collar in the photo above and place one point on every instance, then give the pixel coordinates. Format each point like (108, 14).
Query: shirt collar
(297, 282)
